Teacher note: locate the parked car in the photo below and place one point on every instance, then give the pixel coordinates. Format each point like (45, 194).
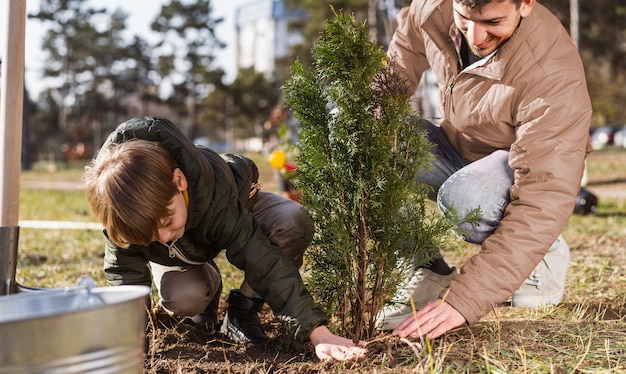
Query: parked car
(619, 137)
(602, 136)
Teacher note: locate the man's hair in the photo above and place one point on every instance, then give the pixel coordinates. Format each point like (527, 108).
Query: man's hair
(479, 3)
(129, 187)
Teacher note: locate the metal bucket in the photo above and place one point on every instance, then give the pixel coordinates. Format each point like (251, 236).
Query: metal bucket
(77, 330)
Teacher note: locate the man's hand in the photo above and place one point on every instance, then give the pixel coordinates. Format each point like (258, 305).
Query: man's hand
(433, 320)
(330, 347)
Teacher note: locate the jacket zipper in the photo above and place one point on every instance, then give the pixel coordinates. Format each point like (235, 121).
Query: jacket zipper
(447, 107)
(174, 252)
(448, 98)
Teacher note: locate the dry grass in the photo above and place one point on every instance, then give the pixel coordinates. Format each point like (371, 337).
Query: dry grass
(584, 334)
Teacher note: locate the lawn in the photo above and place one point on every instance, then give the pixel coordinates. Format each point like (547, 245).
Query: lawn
(586, 333)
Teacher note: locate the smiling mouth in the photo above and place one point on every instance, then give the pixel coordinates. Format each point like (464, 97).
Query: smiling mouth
(484, 45)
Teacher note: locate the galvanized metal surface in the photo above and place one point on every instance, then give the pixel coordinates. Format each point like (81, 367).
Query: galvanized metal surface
(100, 330)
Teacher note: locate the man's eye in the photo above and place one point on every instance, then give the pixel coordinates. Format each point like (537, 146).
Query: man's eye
(166, 222)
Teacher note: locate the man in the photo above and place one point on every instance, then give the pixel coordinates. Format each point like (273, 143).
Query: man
(512, 143)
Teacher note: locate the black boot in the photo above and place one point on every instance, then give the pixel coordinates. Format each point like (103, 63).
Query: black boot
(241, 322)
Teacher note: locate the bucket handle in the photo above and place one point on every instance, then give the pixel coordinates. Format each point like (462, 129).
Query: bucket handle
(85, 285)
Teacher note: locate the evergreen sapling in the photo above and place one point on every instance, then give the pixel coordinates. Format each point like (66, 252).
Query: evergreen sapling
(360, 148)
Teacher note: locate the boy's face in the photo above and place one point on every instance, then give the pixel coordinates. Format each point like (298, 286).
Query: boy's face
(173, 227)
(487, 27)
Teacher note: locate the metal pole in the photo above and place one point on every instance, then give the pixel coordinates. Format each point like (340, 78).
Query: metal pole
(11, 112)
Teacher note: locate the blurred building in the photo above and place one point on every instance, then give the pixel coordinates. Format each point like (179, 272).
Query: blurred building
(265, 34)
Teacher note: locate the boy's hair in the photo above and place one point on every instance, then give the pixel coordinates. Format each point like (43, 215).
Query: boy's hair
(129, 187)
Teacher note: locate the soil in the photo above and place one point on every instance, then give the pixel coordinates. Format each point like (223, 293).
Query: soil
(178, 346)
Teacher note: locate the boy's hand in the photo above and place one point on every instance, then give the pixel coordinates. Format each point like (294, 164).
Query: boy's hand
(433, 320)
(330, 347)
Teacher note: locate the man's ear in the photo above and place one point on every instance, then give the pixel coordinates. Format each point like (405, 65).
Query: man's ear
(179, 178)
(526, 7)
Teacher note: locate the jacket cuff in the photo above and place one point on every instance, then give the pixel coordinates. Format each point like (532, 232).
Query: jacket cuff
(299, 331)
(456, 301)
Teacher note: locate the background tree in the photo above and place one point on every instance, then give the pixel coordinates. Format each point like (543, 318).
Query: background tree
(254, 96)
(602, 47)
(90, 79)
(360, 148)
(238, 110)
(69, 57)
(317, 12)
(186, 53)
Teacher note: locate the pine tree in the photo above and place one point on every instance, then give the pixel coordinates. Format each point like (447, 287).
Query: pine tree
(360, 148)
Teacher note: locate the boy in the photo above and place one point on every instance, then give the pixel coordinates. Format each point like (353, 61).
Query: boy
(169, 207)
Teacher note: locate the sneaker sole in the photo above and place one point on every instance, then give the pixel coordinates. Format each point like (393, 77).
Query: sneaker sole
(233, 334)
(536, 301)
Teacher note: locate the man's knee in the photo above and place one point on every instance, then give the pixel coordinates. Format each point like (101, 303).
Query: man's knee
(476, 219)
(480, 190)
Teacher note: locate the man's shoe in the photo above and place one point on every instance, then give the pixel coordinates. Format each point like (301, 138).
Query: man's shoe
(241, 322)
(424, 286)
(546, 284)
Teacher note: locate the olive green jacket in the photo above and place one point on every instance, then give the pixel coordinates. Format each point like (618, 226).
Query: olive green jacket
(219, 188)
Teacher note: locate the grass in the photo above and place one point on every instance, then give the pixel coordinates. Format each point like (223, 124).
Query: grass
(59, 257)
(584, 334)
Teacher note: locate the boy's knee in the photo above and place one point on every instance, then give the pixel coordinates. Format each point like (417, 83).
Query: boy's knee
(294, 233)
(189, 292)
(295, 226)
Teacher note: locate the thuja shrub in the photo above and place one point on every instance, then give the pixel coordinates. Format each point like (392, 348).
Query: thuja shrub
(360, 148)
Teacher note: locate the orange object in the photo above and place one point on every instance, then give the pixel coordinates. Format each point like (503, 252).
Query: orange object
(278, 159)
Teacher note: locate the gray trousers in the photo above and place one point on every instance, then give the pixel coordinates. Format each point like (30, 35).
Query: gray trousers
(188, 290)
(463, 186)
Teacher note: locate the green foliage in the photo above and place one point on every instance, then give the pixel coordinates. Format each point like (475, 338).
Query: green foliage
(185, 55)
(602, 31)
(237, 110)
(360, 148)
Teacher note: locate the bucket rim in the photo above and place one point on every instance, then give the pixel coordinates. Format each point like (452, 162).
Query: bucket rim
(31, 306)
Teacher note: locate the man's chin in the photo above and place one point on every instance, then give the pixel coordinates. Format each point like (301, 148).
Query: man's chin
(482, 52)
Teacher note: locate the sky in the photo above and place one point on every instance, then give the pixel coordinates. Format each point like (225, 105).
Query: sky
(141, 13)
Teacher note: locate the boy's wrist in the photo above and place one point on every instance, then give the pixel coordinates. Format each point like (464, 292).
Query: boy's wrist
(318, 333)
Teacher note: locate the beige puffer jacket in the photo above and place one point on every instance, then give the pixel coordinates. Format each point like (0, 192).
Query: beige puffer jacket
(530, 98)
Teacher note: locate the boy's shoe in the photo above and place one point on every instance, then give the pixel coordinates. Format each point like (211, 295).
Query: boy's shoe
(241, 322)
(424, 286)
(546, 284)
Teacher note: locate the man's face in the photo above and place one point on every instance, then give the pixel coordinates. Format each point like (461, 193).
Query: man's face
(488, 27)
